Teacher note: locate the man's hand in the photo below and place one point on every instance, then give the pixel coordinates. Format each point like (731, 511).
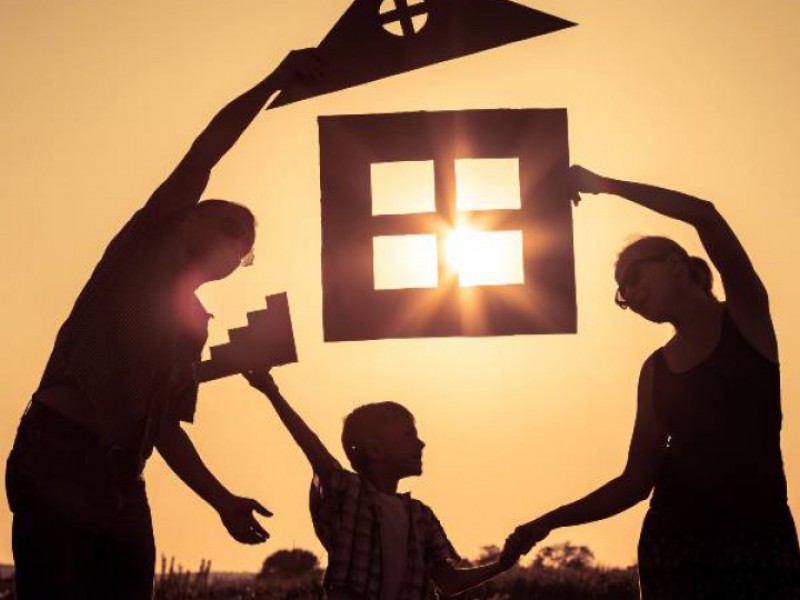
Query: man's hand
(305, 65)
(528, 535)
(584, 181)
(237, 516)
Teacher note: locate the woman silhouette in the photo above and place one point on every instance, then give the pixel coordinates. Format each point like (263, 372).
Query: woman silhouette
(706, 440)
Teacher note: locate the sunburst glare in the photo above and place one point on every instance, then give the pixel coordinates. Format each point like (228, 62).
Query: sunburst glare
(485, 257)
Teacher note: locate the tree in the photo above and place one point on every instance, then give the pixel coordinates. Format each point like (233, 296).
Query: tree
(288, 564)
(488, 554)
(564, 555)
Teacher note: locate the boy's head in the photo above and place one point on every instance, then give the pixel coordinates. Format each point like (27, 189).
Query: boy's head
(382, 437)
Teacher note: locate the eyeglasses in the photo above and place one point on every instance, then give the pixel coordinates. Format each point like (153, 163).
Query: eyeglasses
(234, 231)
(632, 276)
(247, 259)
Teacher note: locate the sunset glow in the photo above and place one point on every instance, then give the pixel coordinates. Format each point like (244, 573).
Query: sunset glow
(102, 99)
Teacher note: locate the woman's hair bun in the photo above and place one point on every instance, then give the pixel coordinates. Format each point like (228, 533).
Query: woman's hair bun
(701, 273)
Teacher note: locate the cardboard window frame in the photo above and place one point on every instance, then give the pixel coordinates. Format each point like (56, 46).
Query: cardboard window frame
(354, 310)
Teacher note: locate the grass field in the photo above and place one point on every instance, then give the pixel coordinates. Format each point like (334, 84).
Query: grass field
(563, 572)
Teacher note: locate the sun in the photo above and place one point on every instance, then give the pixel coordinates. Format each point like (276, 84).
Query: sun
(481, 258)
(457, 247)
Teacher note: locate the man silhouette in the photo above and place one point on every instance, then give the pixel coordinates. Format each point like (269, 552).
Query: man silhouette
(119, 382)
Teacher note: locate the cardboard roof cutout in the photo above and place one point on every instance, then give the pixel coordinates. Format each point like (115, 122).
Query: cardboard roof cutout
(539, 226)
(362, 46)
(266, 341)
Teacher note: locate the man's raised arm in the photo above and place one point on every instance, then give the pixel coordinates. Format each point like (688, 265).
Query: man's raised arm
(183, 188)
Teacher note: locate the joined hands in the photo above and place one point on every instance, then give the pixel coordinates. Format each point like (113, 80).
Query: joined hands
(526, 536)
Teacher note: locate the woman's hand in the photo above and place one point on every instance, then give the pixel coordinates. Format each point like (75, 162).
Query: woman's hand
(528, 535)
(584, 181)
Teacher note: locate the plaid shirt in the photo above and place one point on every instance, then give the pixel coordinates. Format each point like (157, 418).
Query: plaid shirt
(129, 342)
(347, 517)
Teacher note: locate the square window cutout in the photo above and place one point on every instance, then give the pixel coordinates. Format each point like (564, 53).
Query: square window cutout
(488, 257)
(509, 284)
(487, 184)
(405, 261)
(403, 187)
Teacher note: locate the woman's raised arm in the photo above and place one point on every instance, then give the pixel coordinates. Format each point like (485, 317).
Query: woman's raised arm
(745, 294)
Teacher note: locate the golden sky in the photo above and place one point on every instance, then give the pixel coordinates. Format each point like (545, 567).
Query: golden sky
(99, 100)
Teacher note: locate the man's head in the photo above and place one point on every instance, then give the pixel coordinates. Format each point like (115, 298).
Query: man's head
(382, 437)
(218, 236)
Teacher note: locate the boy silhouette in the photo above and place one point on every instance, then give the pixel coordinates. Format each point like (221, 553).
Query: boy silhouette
(381, 545)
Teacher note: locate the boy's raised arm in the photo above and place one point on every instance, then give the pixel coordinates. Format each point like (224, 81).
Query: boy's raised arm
(321, 460)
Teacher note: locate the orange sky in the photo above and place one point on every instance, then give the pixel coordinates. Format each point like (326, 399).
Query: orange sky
(99, 100)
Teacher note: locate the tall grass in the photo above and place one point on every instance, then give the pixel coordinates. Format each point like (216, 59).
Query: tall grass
(542, 580)
(535, 582)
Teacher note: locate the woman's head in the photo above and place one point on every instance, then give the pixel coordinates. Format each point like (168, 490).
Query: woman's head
(655, 273)
(218, 236)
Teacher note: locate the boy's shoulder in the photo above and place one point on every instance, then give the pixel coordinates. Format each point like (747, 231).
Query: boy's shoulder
(335, 480)
(344, 505)
(344, 481)
(425, 515)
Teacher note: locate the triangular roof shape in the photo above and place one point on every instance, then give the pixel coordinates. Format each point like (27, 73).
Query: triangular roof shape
(362, 48)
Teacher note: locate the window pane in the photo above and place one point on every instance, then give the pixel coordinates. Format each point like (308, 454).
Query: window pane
(400, 11)
(487, 184)
(394, 27)
(405, 261)
(403, 187)
(418, 22)
(487, 257)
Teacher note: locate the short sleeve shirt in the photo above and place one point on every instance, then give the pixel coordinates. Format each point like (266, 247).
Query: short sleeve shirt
(346, 514)
(130, 340)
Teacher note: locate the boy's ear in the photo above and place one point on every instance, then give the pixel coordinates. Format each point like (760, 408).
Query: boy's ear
(374, 449)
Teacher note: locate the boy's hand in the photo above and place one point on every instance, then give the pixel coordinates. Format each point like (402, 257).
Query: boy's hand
(261, 380)
(237, 516)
